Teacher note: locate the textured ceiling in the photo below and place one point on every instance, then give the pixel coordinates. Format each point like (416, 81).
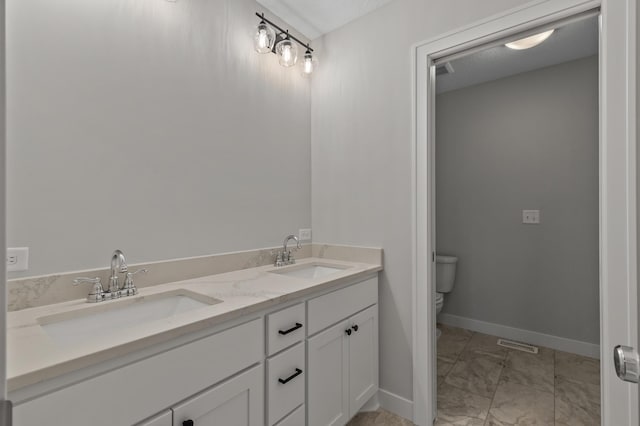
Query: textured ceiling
(572, 41)
(314, 18)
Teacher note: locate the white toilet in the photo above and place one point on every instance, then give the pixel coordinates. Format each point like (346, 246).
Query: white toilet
(445, 278)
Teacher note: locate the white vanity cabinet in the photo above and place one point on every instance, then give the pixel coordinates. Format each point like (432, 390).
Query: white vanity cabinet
(342, 365)
(311, 362)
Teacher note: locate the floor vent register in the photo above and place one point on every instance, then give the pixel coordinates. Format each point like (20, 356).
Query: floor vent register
(518, 346)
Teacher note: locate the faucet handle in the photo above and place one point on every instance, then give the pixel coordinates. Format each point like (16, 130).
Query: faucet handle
(129, 289)
(83, 280)
(97, 292)
(279, 259)
(143, 270)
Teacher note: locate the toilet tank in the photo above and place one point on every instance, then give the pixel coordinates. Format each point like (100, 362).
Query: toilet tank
(445, 273)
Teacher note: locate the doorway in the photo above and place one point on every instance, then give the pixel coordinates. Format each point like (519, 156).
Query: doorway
(517, 228)
(617, 245)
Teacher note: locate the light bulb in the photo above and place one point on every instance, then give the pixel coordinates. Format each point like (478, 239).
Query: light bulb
(307, 66)
(287, 52)
(264, 38)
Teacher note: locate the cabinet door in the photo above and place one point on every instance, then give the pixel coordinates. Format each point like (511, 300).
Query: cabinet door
(363, 358)
(328, 377)
(236, 402)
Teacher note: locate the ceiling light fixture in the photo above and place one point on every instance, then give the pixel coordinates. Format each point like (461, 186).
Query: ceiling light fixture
(529, 42)
(271, 38)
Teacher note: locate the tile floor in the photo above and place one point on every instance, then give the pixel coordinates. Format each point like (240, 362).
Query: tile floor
(481, 383)
(378, 418)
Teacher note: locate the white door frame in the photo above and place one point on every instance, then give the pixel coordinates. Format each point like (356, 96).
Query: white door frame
(617, 162)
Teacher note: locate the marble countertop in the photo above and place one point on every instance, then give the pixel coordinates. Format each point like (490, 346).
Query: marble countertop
(33, 356)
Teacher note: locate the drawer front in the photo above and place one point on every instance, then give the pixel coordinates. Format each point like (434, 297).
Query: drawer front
(331, 308)
(285, 328)
(285, 382)
(154, 383)
(294, 419)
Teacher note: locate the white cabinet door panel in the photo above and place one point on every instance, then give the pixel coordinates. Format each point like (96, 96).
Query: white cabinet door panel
(236, 402)
(363, 358)
(328, 377)
(164, 419)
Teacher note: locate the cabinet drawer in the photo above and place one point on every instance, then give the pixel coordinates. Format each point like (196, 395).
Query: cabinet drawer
(294, 419)
(327, 310)
(285, 328)
(285, 382)
(153, 383)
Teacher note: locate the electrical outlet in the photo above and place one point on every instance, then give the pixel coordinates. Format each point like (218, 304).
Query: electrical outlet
(304, 234)
(531, 217)
(17, 259)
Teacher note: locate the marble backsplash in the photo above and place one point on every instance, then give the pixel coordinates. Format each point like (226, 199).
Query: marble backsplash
(23, 293)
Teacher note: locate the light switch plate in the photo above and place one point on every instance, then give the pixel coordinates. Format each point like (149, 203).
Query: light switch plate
(304, 234)
(531, 217)
(17, 259)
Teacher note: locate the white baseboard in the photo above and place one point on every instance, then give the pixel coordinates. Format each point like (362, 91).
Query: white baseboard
(395, 404)
(525, 336)
(371, 405)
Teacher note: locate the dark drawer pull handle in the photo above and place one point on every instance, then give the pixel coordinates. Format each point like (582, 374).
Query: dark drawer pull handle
(293, 376)
(348, 331)
(355, 327)
(188, 423)
(291, 330)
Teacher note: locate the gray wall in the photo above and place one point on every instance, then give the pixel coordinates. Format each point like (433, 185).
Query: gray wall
(150, 126)
(361, 150)
(528, 141)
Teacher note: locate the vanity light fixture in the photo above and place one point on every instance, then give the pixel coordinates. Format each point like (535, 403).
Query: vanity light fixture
(529, 42)
(271, 38)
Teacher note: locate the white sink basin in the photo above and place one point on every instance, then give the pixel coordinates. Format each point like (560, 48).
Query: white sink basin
(309, 271)
(112, 317)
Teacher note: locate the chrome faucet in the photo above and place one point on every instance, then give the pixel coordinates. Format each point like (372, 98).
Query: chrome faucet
(118, 265)
(285, 257)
